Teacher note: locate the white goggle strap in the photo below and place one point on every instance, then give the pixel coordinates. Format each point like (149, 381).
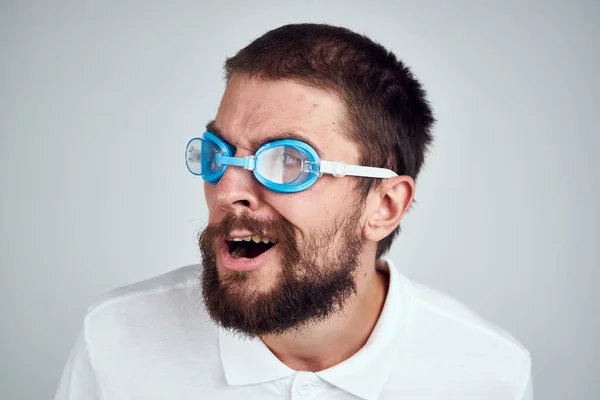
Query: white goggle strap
(340, 169)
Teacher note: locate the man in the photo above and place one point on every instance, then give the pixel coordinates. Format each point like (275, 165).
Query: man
(309, 166)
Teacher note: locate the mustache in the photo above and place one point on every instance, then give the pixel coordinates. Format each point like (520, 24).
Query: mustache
(279, 229)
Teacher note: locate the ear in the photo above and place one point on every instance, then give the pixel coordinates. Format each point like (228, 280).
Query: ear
(386, 206)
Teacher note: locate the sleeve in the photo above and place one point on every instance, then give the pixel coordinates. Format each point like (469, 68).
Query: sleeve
(528, 392)
(78, 380)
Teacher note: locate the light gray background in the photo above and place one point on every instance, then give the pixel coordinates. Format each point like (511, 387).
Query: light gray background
(98, 100)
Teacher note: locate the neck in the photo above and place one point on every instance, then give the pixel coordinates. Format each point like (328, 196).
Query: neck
(322, 346)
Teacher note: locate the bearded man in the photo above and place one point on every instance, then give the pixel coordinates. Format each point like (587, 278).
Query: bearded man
(308, 168)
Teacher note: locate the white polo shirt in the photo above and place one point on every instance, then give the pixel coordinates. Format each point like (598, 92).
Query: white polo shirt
(153, 340)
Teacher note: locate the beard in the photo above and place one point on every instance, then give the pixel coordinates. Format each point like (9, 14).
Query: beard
(315, 279)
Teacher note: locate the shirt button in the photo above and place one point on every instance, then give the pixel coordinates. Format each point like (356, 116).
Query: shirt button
(304, 388)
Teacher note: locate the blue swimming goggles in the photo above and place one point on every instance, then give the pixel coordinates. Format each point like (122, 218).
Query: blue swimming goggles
(283, 166)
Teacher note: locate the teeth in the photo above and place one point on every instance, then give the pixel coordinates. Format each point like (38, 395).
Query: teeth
(254, 238)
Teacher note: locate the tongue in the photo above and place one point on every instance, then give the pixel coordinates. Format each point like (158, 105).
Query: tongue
(239, 251)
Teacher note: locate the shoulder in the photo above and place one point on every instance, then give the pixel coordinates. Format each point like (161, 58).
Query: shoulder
(150, 314)
(178, 280)
(172, 289)
(149, 337)
(436, 308)
(452, 345)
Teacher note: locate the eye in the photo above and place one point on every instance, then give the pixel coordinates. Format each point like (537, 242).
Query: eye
(289, 158)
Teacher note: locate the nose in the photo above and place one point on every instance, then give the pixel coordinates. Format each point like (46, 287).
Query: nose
(237, 191)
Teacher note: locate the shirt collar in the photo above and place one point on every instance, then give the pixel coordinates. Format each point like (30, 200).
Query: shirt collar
(249, 361)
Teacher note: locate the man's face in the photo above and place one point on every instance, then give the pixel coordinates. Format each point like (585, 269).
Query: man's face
(311, 270)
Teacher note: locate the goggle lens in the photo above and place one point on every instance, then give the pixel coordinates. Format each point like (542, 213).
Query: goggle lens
(201, 157)
(282, 165)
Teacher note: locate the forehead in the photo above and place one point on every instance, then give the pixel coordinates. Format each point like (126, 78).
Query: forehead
(253, 111)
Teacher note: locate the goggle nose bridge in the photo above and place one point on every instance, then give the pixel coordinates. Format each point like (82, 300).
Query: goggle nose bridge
(248, 163)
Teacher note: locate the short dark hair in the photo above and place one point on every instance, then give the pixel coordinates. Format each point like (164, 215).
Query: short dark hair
(388, 115)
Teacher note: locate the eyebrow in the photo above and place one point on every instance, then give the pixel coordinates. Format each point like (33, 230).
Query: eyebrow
(256, 144)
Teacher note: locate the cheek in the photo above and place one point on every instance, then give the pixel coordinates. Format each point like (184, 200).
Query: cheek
(308, 210)
(208, 194)
(329, 199)
(210, 197)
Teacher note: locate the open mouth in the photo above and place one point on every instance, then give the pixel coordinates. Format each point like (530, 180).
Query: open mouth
(249, 247)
